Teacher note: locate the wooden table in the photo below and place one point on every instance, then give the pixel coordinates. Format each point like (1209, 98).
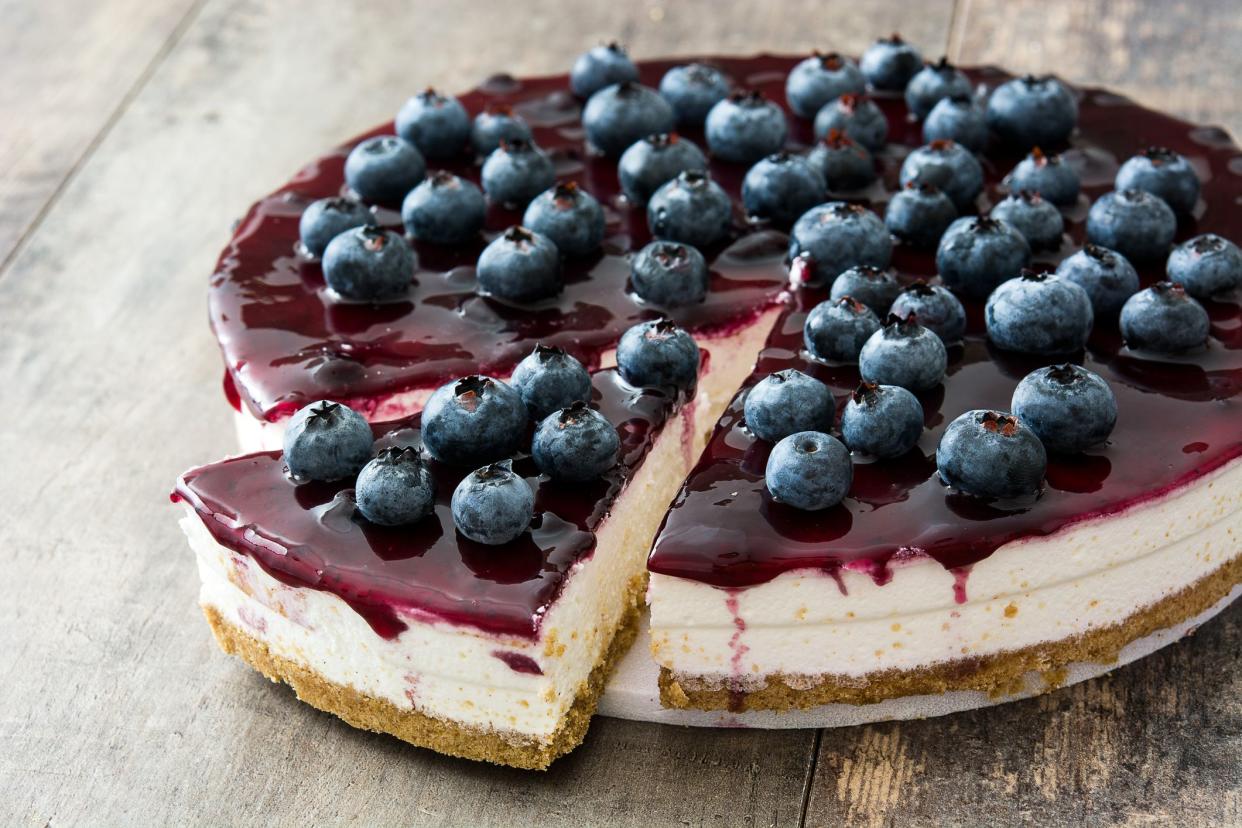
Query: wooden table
(135, 132)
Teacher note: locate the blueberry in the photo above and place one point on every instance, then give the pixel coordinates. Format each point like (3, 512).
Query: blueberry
(493, 505)
(744, 127)
(494, 124)
(1049, 175)
(1038, 221)
(692, 209)
(837, 236)
(957, 119)
(1068, 407)
(950, 166)
(1162, 172)
(648, 163)
(904, 353)
(326, 441)
(437, 124)
(1206, 266)
(786, 402)
(782, 187)
(517, 172)
(977, 253)
(473, 420)
(890, 63)
(368, 264)
(658, 354)
(919, 213)
(836, 329)
(932, 83)
(575, 444)
(882, 420)
(384, 168)
(617, 116)
(520, 265)
(857, 116)
(549, 379)
(822, 78)
(845, 164)
(1164, 319)
(1039, 313)
(444, 209)
(327, 218)
(809, 470)
(600, 67)
(395, 488)
(1135, 223)
(569, 216)
(1032, 111)
(935, 308)
(991, 454)
(693, 90)
(669, 274)
(874, 287)
(1106, 276)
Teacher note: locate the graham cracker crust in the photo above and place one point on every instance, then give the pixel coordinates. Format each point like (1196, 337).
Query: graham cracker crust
(441, 735)
(999, 675)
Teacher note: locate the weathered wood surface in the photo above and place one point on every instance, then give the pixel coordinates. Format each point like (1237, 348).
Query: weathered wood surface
(116, 707)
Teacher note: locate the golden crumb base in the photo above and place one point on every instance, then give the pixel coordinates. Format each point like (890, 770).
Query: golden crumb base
(441, 735)
(999, 675)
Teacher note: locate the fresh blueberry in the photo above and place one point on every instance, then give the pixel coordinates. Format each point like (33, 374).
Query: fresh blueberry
(600, 67)
(874, 287)
(493, 505)
(935, 307)
(1068, 407)
(957, 119)
(517, 172)
(744, 127)
(1049, 175)
(978, 253)
(1164, 319)
(932, 83)
(520, 265)
(325, 219)
(882, 420)
(786, 402)
(1106, 276)
(437, 124)
(1032, 112)
(1039, 313)
(890, 63)
(576, 443)
(837, 236)
(903, 353)
(395, 488)
(1038, 221)
(690, 208)
(1135, 223)
(549, 379)
(444, 209)
(991, 454)
(857, 116)
(648, 163)
(919, 213)
(617, 116)
(669, 274)
(368, 264)
(822, 78)
(1206, 266)
(473, 420)
(809, 470)
(326, 441)
(950, 166)
(384, 168)
(845, 164)
(693, 90)
(837, 329)
(1162, 172)
(782, 187)
(569, 216)
(658, 354)
(494, 124)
